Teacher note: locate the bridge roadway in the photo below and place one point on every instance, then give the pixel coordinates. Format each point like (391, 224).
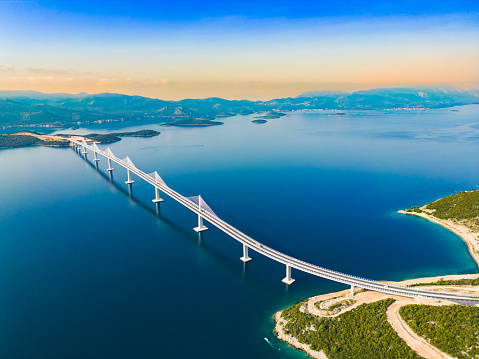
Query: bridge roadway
(289, 261)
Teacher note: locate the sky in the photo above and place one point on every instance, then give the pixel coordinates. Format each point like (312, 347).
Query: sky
(236, 49)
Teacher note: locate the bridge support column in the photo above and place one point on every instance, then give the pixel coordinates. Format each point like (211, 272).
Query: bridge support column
(245, 257)
(352, 291)
(157, 196)
(109, 169)
(200, 227)
(129, 177)
(84, 151)
(96, 157)
(288, 279)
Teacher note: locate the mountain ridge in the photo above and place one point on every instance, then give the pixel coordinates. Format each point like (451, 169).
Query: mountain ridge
(33, 108)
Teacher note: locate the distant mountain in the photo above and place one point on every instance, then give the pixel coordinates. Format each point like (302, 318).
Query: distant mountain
(36, 95)
(32, 108)
(474, 92)
(323, 93)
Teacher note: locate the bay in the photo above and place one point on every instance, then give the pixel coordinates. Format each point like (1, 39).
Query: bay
(88, 271)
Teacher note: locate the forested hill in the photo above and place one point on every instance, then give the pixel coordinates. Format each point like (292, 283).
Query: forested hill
(30, 108)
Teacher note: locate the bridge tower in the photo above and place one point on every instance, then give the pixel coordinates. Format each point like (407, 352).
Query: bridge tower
(108, 151)
(129, 181)
(130, 164)
(200, 227)
(288, 279)
(109, 169)
(95, 149)
(245, 257)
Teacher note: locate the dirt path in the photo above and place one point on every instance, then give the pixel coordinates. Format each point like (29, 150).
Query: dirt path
(414, 341)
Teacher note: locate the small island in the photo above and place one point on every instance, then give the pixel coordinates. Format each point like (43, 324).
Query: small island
(115, 137)
(367, 324)
(338, 114)
(259, 121)
(271, 115)
(194, 122)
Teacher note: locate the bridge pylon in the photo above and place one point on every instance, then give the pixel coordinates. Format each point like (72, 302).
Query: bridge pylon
(288, 280)
(245, 257)
(129, 181)
(109, 169)
(158, 180)
(95, 149)
(157, 198)
(200, 227)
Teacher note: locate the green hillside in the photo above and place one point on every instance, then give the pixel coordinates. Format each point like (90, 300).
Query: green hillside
(462, 206)
(363, 332)
(453, 329)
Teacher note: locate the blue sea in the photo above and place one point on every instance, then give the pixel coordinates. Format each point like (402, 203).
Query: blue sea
(90, 270)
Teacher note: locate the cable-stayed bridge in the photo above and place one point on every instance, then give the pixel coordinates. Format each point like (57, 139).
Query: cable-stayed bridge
(198, 205)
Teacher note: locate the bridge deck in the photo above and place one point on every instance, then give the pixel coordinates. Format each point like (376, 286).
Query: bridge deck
(276, 255)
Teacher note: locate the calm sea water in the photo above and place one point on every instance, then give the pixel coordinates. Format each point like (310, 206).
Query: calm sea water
(87, 271)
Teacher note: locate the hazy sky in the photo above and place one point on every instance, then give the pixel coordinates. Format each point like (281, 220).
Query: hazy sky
(236, 49)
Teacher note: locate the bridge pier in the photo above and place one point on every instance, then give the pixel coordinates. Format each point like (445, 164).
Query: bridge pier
(245, 257)
(352, 291)
(109, 169)
(129, 178)
(84, 151)
(96, 157)
(200, 227)
(157, 196)
(288, 279)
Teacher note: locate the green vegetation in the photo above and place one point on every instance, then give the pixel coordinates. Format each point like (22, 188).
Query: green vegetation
(453, 329)
(115, 137)
(338, 305)
(194, 122)
(415, 209)
(459, 206)
(449, 282)
(16, 141)
(13, 141)
(363, 332)
(29, 108)
(272, 115)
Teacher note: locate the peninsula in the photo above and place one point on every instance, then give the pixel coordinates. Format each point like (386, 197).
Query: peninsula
(459, 213)
(194, 122)
(369, 324)
(28, 138)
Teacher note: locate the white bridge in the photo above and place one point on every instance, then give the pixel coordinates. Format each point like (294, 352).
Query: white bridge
(199, 206)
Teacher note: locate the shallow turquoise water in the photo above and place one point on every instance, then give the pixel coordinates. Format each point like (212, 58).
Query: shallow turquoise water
(87, 271)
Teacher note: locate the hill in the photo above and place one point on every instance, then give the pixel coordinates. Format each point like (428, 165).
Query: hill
(31, 108)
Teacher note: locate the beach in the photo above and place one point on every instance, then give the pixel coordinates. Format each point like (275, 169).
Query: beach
(470, 237)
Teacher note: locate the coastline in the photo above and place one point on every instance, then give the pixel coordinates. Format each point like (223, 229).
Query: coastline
(415, 342)
(471, 238)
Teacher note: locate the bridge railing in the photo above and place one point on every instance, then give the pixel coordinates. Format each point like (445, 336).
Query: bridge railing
(270, 252)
